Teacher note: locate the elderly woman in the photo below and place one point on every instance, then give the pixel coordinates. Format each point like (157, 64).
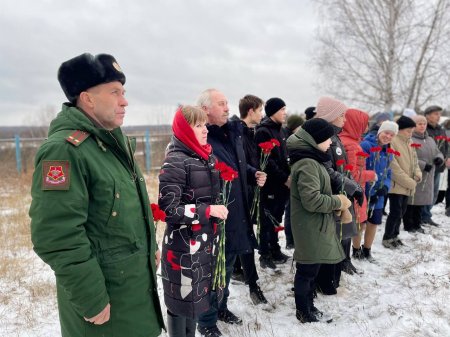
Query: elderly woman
(428, 156)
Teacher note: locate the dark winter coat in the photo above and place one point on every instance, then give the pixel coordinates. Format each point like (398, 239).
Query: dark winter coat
(425, 155)
(380, 164)
(433, 132)
(312, 204)
(277, 167)
(188, 185)
(227, 145)
(337, 152)
(94, 227)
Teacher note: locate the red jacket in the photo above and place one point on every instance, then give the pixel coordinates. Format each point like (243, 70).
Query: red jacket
(354, 127)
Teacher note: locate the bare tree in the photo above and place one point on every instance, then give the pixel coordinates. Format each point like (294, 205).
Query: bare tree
(384, 53)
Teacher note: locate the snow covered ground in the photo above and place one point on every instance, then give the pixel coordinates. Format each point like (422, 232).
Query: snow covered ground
(406, 294)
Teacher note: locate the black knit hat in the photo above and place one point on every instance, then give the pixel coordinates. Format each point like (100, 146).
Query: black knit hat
(310, 112)
(405, 123)
(431, 109)
(319, 129)
(273, 105)
(86, 71)
(293, 122)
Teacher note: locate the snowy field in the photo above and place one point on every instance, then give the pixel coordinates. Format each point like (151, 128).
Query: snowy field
(406, 294)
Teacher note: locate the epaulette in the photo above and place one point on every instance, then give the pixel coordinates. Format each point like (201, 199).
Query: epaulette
(77, 137)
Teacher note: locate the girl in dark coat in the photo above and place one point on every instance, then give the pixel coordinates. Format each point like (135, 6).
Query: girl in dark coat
(188, 192)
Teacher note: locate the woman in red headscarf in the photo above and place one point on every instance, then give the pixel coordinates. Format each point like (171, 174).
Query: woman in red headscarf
(189, 190)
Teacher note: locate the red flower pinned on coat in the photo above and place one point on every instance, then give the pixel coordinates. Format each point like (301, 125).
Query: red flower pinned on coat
(397, 154)
(390, 150)
(375, 149)
(158, 213)
(340, 162)
(416, 145)
(362, 154)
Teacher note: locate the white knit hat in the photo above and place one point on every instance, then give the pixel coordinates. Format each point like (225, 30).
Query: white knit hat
(388, 126)
(409, 113)
(329, 108)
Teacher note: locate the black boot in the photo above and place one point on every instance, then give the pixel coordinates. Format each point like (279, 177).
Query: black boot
(303, 312)
(367, 254)
(357, 253)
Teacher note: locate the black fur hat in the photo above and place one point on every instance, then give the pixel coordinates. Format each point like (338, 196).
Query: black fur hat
(86, 71)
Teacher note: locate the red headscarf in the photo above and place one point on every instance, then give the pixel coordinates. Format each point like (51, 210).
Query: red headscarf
(183, 131)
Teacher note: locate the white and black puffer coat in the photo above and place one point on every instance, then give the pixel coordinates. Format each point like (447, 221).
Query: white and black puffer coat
(188, 185)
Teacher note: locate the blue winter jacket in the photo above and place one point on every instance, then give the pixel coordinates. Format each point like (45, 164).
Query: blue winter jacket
(380, 166)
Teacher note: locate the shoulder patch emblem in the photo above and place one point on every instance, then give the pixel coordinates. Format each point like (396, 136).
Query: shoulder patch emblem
(55, 175)
(78, 137)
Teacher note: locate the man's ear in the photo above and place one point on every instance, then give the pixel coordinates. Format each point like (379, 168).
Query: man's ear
(85, 99)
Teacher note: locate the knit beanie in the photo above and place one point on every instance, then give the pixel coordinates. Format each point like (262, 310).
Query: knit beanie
(273, 105)
(293, 122)
(405, 123)
(388, 126)
(409, 112)
(329, 108)
(319, 129)
(382, 116)
(310, 112)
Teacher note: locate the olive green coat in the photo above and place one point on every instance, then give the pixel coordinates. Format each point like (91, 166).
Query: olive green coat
(312, 207)
(94, 227)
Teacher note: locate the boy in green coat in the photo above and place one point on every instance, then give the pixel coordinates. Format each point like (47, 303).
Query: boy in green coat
(312, 212)
(90, 215)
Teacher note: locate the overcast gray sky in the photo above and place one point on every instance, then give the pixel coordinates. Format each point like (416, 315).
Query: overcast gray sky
(170, 50)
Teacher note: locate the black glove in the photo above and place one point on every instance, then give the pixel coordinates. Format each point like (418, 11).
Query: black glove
(383, 191)
(428, 167)
(359, 196)
(438, 161)
(373, 199)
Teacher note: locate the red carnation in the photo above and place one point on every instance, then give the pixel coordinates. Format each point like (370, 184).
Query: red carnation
(440, 137)
(391, 150)
(397, 153)
(348, 167)
(229, 174)
(221, 166)
(278, 228)
(266, 147)
(275, 142)
(375, 149)
(340, 162)
(158, 214)
(362, 154)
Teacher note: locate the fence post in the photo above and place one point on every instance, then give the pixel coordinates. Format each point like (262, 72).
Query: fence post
(147, 151)
(18, 154)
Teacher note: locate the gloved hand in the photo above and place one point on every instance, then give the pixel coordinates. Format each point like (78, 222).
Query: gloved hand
(373, 199)
(438, 161)
(346, 216)
(359, 196)
(428, 167)
(382, 192)
(345, 202)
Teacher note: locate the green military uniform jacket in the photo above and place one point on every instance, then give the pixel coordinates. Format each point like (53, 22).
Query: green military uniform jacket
(312, 207)
(91, 222)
